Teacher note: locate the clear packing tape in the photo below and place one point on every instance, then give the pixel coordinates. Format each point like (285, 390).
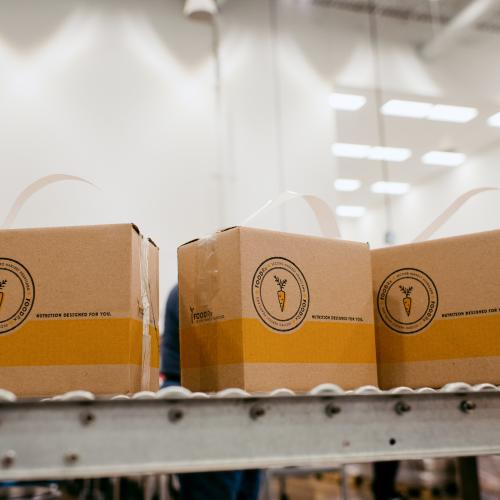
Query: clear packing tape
(146, 314)
(207, 283)
(325, 217)
(450, 211)
(207, 265)
(33, 188)
(327, 220)
(41, 183)
(207, 272)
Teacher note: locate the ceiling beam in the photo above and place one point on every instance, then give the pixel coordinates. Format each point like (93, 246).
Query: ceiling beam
(470, 15)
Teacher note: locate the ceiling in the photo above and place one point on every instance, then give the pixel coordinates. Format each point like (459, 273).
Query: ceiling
(417, 10)
(363, 127)
(471, 59)
(472, 52)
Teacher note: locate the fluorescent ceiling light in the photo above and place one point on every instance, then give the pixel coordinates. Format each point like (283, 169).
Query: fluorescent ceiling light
(407, 109)
(350, 211)
(389, 154)
(362, 151)
(383, 187)
(445, 158)
(347, 102)
(344, 150)
(347, 184)
(494, 120)
(457, 114)
(435, 112)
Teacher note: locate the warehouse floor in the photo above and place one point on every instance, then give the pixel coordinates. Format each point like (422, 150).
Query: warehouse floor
(416, 479)
(326, 489)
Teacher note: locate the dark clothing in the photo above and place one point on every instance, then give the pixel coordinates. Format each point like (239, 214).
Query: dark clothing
(384, 480)
(232, 485)
(170, 341)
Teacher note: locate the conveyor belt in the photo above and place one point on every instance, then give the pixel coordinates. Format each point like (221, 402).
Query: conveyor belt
(77, 435)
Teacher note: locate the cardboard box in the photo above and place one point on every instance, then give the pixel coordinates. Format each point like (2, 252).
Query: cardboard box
(438, 311)
(71, 310)
(262, 310)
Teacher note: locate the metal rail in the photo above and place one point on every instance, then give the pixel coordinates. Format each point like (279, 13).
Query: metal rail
(66, 439)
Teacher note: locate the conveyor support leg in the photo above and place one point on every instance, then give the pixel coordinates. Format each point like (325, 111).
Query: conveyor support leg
(469, 480)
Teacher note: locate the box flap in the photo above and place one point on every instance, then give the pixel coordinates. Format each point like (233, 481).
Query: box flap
(216, 232)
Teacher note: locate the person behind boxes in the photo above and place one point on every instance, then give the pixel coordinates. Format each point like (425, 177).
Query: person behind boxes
(230, 485)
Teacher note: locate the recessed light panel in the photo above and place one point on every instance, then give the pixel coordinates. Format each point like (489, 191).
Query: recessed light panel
(383, 187)
(350, 211)
(445, 158)
(456, 114)
(345, 150)
(494, 120)
(389, 154)
(347, 102)
(428, 111)
(363, 151)
(347, 184)
(407, 109)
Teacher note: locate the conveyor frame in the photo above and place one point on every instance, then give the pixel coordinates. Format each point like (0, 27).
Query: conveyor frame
(68, 439)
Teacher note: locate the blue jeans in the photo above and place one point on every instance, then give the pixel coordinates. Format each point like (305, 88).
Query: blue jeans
(228, 485)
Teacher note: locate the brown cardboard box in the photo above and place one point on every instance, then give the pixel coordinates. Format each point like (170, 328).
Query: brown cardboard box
(262, 310)
(438, 311)
(71, 310)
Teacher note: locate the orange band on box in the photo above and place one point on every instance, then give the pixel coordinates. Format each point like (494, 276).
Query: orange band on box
(77, 342)
(445, 339)
(223, 342)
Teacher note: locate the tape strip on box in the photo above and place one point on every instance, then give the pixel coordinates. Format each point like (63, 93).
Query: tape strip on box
(449, 212)
(146, 314)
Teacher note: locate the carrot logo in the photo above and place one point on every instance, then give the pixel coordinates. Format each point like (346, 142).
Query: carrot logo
(281, 292)
(2, 286)
(407, 299)
(17, 296)
(419, 295)
(280, 277)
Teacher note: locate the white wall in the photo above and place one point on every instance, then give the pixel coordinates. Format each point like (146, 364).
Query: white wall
(120, 93)
(123, 93)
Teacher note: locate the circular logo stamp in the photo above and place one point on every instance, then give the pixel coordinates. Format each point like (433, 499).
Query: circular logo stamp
(17, 294)
(280, 294)
(407, 301)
